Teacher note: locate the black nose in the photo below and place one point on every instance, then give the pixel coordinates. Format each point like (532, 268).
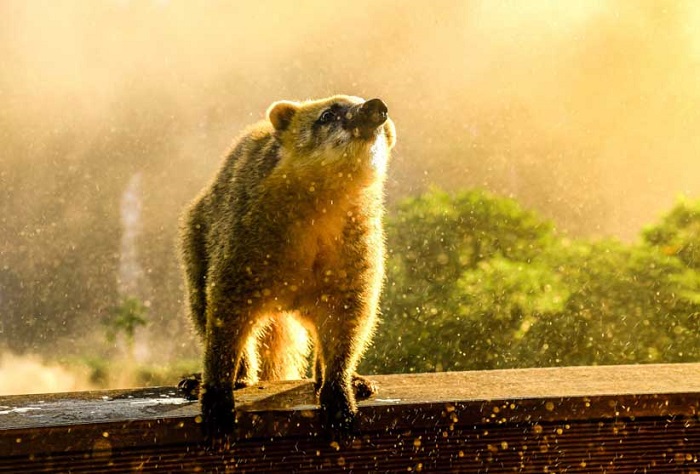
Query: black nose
(364, 119)
(374, 112)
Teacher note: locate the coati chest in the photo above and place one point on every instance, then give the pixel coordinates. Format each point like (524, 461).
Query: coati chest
(311, 216)
(320, 246)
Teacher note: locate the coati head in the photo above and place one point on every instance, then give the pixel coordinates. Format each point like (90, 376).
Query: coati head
(341, 130)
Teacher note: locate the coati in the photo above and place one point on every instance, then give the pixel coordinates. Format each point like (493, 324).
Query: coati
(286, 245)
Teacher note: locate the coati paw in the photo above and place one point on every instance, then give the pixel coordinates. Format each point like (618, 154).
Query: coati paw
(218, 417)
(363, 387)
(189, 386)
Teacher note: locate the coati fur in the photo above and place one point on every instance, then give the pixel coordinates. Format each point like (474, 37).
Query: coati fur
(285, 248)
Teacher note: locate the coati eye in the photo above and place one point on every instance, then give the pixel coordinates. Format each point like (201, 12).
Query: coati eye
(326, 117)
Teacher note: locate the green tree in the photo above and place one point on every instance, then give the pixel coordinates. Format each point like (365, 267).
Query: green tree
(477, 282)
(125, 318)
(625, 305)
(500, 302)
(678, 233)
(433, 239)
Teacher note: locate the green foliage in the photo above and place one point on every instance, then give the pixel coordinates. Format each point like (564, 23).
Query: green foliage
(501, 301)
(477, 282)
(678, 233)
(99, 370)
(124, 318)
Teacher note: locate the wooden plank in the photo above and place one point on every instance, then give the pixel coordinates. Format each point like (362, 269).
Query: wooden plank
(581, 418)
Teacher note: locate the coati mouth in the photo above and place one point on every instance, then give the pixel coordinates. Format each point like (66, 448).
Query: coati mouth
(364, 119)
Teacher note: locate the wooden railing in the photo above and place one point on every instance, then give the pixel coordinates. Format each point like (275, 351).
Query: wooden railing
(581, 419)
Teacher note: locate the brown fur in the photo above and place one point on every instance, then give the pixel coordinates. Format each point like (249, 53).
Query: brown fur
(286, 245)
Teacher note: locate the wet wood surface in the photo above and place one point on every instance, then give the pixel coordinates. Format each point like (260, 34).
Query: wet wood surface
(580, 419)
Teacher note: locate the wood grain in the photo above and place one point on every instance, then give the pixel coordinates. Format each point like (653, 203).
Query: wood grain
(574, 419)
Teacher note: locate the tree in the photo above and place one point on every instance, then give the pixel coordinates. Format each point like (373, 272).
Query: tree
(433, 239)
(678, 233)
(477, 282)
(128, 315)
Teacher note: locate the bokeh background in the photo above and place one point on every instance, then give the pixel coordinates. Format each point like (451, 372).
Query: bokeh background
(114, 113)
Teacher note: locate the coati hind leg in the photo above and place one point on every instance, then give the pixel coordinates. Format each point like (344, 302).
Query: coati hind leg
(246, 375)
(362, 386)
(222, 352)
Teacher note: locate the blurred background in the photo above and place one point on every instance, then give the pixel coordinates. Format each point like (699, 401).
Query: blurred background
(115, 113)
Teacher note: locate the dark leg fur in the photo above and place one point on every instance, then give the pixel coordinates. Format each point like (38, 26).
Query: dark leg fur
(337, 408)
(318, 370)
(222, 353)
(218, 417)
(336, 395)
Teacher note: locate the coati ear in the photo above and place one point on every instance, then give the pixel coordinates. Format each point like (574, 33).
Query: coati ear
(281, 114)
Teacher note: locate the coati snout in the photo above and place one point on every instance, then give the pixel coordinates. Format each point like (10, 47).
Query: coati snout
(366, 117)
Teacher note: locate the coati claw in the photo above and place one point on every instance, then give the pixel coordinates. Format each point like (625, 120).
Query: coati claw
(189, 386)
(363, 387)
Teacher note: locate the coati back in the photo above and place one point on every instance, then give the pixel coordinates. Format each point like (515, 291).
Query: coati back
(286, 244)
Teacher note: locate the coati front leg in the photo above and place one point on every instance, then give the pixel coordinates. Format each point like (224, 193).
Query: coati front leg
(342, 336)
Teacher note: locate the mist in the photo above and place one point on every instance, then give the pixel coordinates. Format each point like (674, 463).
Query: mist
(586, 111)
